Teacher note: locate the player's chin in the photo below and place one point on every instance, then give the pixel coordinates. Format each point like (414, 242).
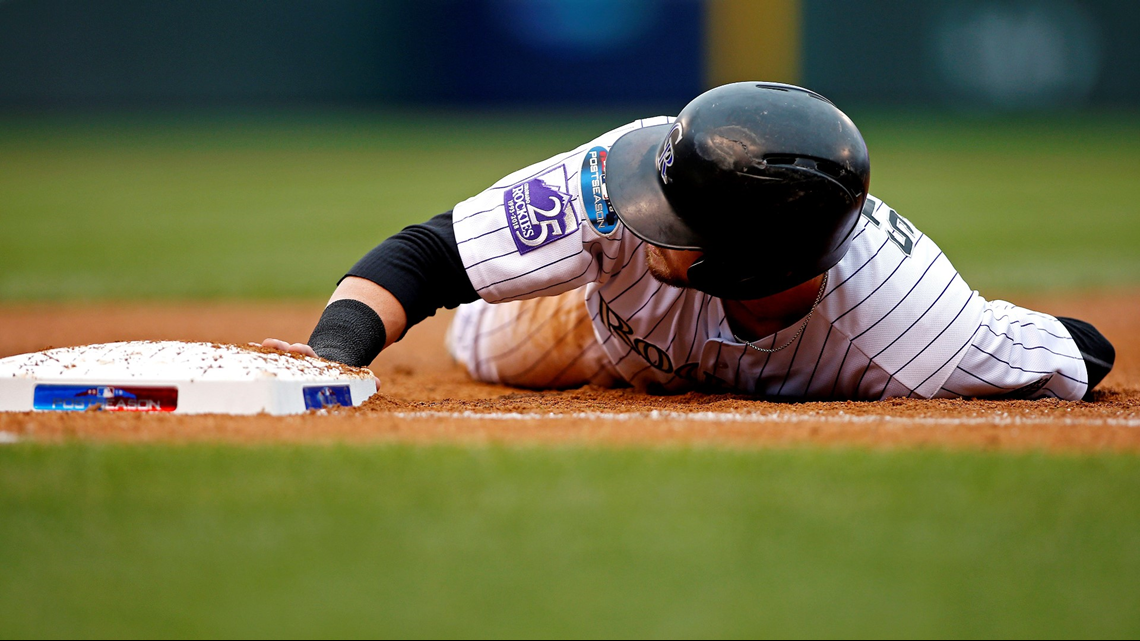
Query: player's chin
(661, 271)
(669, 279)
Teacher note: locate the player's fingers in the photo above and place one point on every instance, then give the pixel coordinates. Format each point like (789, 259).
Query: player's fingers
(302, 348)
(294, 348)
(273, 343)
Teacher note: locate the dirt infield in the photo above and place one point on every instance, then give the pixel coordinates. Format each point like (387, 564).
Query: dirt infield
(426, 398)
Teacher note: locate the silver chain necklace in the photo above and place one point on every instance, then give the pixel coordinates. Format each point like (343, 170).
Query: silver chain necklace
(803, 325)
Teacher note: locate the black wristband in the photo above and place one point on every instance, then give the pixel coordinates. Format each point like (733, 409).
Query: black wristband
(1099, 354)
(349, 332)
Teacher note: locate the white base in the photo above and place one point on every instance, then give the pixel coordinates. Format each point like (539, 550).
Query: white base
(172, 376)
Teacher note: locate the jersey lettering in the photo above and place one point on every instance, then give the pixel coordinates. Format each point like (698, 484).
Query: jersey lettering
(901, 233)
(652, 354)
(869, 207)
(903, 238)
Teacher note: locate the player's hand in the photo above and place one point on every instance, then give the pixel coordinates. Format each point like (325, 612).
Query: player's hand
(302, 349)
(296, 348)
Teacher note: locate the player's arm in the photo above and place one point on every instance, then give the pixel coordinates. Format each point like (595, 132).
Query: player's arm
(359, 299)
(1020, 353)
(395, 286)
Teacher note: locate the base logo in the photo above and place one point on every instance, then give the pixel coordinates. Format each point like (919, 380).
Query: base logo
(109, 398)
(598, 209)
(539, 210)
(321, 397)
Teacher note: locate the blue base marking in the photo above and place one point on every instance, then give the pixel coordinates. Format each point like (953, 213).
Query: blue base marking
(321, 397)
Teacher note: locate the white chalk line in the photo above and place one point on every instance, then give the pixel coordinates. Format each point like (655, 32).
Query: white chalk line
(774, 417)
(7, 438)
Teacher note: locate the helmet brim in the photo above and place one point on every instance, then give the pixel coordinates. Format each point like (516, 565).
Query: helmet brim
(634, 189)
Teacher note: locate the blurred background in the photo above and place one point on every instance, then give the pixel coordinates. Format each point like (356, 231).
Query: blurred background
(178, 152)
(1005, 129)
(557, 53)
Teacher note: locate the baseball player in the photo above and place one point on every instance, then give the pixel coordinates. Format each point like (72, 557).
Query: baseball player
(733, 248)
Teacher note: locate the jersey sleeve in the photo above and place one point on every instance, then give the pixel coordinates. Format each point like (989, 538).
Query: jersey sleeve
(1019, 353)
(544, 229)
(902, 305)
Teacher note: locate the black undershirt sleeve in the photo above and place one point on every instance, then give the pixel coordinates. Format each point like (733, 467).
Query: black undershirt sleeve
(1099, 354)
(421, 267)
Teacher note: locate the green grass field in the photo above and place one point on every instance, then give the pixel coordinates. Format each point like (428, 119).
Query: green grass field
(162, 540)
(420, 541)
(280, 206)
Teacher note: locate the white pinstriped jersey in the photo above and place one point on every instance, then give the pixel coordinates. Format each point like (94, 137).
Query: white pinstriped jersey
(896, 320)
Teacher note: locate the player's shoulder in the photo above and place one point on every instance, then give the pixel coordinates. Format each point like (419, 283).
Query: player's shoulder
(885, 247)
(878, 223)
(888, 259)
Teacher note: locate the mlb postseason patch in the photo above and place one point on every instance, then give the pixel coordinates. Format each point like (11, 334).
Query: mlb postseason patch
(594, 196)
(319, 397)
(539, 210)
(79, 398)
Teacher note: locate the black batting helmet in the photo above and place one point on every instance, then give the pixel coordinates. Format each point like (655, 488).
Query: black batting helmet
(766, 179)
